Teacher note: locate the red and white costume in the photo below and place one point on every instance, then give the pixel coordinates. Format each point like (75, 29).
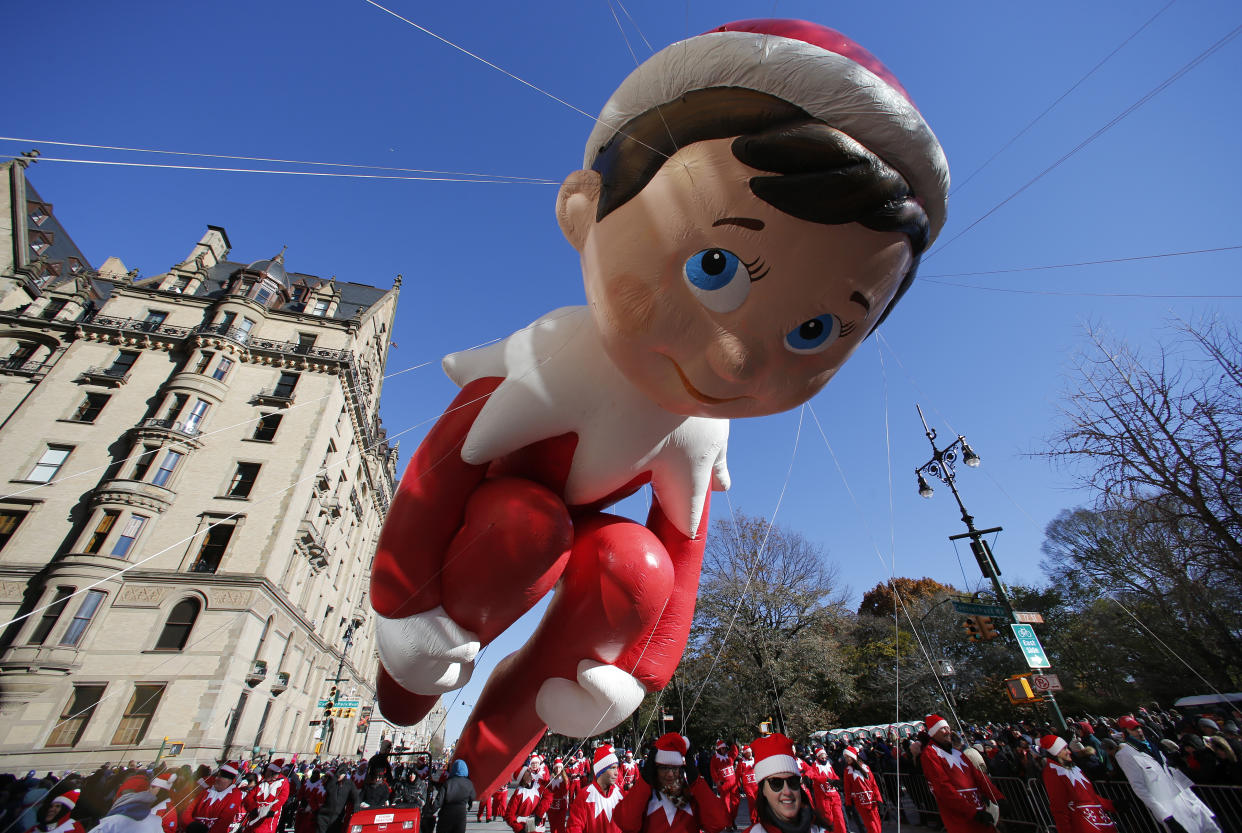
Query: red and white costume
(724, 774)
(629, 774)
(527, 803)
(217, 809)
(68, 824)
(1075, 805)
(592, 810)
(313, 795)
(961, 790)
(267, 799)
(563, 789)
(746, 783)
(645, 810)
(826, 792)
(861, 791)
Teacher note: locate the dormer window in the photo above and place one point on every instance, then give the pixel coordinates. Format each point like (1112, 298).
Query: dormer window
(321, 307)
(75, 266)
(39, 213)
(40, 242)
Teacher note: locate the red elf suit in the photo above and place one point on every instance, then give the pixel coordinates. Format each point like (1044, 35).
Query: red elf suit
(217, 809)
(861, 790)
(724, 774)
(825, 789)
(1076, 807)
(68, 824)
(961, 790)
(629, 772)
(746, 784)
(267, 799)
(647, 810)
(592, 810)
(313, 795)
(527, 806)
(564, 788)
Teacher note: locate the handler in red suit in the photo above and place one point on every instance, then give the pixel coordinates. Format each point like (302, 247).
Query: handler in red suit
(746, 784)
(629, 771)
(219, 805)
(57, 816)
(564, 789)
(725, 777)
(966, 797)
(528, 804)
(264, 802)
(826, 789)
(861, 791)
(313, 795)
(592, 810)
(670, 797)
(1076, 808)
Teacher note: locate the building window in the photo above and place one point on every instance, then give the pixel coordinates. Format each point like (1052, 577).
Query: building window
(39, 212)
(321, 307)
(51, 615)
(195, 418)
(40, 242)
(106, 522)
(154, 319)
(222, 369)
(49, 464)
(178, 626)
(262, 294)
(166, 469)
(81, 619)
(10, 520)
(243, 480)
(178, 284)
(211, 553)
(286, 384)
(305, 342)
(138, 714)
(143, 464)
(133, 527)
(266, 429)
(21, 354)
(53, 308)
(78, 712)
(90, 407)
(204, 361)
(244, 327)
(123, 363)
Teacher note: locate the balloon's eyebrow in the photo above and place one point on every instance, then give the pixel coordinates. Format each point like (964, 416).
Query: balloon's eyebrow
(744, 222)
(861, 300)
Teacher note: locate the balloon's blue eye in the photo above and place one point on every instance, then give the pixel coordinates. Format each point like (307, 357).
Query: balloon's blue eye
(813, 335)
(718, 279)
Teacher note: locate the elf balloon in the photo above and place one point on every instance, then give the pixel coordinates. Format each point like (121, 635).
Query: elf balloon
(752, 203)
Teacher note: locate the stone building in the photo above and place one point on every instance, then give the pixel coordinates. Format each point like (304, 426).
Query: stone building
(193, 476)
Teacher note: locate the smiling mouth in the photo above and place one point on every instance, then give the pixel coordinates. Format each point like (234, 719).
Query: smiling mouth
(695, 392)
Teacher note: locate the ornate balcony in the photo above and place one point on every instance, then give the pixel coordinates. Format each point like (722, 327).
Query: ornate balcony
(110, 376)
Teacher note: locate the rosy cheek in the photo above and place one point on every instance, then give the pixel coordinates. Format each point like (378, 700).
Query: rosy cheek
(631, 305)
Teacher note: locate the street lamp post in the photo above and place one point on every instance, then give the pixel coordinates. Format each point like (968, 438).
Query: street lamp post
(943, 467)
(340, 666)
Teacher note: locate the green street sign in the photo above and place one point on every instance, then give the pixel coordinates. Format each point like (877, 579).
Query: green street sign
(976, 609)
(340, 704)
(1032, 651)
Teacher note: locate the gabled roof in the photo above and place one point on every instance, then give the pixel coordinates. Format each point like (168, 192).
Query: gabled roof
(55, 247)
(354, 297)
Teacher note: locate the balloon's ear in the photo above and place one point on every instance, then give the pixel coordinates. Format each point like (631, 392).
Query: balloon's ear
(576, 205)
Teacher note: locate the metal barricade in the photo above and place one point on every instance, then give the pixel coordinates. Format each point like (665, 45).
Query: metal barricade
(1130, 814)
(1022, 809)
(1226, 803)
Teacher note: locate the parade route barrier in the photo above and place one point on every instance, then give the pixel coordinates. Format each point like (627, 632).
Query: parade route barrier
(1026, 808)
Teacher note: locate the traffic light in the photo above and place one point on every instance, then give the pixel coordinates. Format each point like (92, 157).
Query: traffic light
(971, 625)
(987, 630)
(330, 705)
(1018, 688)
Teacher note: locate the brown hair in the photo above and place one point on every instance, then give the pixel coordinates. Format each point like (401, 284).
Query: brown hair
(820, 174)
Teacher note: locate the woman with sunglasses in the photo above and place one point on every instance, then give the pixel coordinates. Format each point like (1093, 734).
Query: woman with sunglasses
(783, 804)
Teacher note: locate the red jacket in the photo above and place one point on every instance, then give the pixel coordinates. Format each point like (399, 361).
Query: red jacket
(592, 811)
(525, 802)
(961, 790)
(1076, 807)
(642, 812)
(723, 773)
(217, 810)
(267, 799)
(860, 790)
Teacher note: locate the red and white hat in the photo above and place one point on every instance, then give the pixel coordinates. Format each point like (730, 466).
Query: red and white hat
(228, 769)
(134, 784)
(851, 752)
(935, 723)
(1128, 722)
(164, 782)
(605, 757)
(671, 749)
(68, 799)
(818, 69)
(1052, 745)
(774, 754)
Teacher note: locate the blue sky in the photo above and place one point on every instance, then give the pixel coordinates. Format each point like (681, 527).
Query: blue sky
(985, 354)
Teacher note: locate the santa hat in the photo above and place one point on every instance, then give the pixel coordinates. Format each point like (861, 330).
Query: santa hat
(671, 749)
(935, 723)
(817, 750)
(164, 782)
(815, 68)
(774, 753)
(556, 761)
(274, 765)
(605, 757)
(68, 799)
(134, 784)
(1128, 722)
(228, 769)
(1052, 745)
(851, 752)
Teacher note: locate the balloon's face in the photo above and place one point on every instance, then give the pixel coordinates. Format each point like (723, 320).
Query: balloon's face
(715, 303)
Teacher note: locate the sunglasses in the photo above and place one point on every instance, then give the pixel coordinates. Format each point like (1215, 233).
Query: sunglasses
(777, 783)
